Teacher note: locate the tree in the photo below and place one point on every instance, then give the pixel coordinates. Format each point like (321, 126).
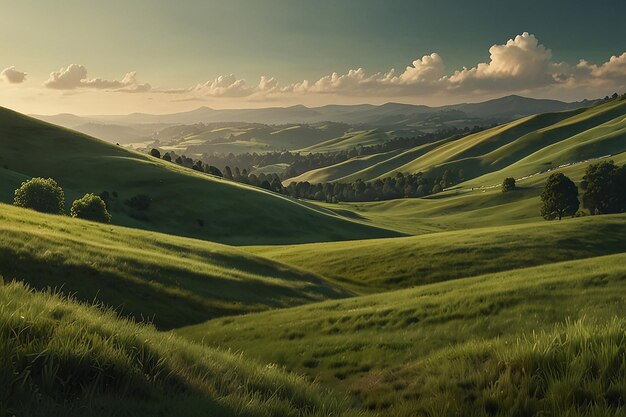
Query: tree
(155, 152)
(41, 194)
(90, 207)
(167, 157)
(603, 187)
(508, 185)
(559, 197)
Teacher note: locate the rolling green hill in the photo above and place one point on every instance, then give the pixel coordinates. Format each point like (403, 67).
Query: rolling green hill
(184, 202)
(474, 344)
(351, 140)
(170, 280)
(520, 148)
(366, 167)
(386, 264)
(463, 206)
(245, 137)
(61, 358)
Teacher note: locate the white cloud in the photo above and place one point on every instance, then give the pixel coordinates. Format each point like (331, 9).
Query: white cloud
(75, 76)
(225, 86)
(615, 67)
(521, 63)
(12, 76)
(427, 69)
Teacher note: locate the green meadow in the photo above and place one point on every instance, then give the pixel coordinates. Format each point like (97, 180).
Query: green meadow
(169, 280)
(519, 148)
(376, 265)
(519, 340)
(63, 358)
(228, 300)
(184, 202)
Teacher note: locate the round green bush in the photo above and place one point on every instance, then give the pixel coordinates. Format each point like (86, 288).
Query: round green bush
(40, 194)
(90, 207)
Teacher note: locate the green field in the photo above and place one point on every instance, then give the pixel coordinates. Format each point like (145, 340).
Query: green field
(169, 280)
(463, 303)
(184, 202)
(444, 348)
(520, 148)
(350, 140)
(383, 264)
(61, 358)
(468, 205)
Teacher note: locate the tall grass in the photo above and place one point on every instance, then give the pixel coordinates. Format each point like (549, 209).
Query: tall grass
(575, 369)
(62, 358)
(369, 346)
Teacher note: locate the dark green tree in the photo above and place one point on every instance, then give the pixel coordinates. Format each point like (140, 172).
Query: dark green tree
(559, 197)
(508, 185)
(604, 188)
(41, 194)
(156, 153)
(90, 207)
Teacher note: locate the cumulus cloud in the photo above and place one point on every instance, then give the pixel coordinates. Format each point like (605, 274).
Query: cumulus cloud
(225, 86)
(427, 69)
(75, 76)
(12, 76)
(521, 64)
(615, 67)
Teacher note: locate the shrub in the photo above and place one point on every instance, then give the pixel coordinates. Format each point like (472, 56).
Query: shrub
(155, 152)
(40, 194)
(90, 207)
(508, 185)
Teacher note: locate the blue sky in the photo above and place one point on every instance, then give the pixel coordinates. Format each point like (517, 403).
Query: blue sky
(178, 45)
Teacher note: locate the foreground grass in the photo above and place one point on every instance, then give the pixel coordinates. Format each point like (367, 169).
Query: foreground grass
(384, 264)
(61, 358)
(368, 345)
(574, 369)
(170, 280)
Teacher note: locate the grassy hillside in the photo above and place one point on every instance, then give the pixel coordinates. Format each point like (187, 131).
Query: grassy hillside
(245, 137)
(385, 264)
(500, 147)
(468, 205)
(473, 345)
(516, 149)
(367, 167)
(338, 171)
(184, 202)
(171, 280)
(61, 358)
(351, 140)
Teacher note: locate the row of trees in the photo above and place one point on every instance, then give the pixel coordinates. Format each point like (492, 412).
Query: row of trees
(45, 195)
(604, 192)
(398, 186)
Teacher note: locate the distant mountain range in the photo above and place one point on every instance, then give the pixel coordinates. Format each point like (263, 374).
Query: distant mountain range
(127, 128)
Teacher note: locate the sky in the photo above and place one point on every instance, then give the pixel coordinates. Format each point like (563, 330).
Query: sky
(163, 56)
